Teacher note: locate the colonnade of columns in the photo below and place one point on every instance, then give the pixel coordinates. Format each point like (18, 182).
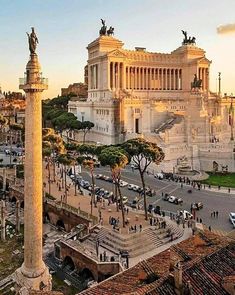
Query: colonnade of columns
(94, 76)
(116, 75)
(143, 78)
(203, 74)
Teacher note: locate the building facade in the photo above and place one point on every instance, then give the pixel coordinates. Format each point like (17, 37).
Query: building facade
(164, 98)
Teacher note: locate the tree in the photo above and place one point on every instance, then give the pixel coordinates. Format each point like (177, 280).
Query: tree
(3, 122)
(87, 153)
(16, 128)
(52, 144)
(143, 153)
(66, 161)
(116, 158)
(86, 127)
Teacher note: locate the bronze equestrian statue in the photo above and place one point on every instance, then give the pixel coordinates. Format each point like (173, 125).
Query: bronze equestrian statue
(196, 84)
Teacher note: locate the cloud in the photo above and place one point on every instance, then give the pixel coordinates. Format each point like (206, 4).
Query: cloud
(225, 29)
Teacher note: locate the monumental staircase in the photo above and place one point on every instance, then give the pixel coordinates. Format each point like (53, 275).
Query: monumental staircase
(135, 244)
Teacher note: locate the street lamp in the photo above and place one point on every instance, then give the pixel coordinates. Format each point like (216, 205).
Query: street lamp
(231, 118)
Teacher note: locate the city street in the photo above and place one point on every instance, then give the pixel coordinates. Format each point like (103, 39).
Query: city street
(213, 201)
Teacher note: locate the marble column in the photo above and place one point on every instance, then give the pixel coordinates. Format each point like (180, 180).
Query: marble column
(33, 273)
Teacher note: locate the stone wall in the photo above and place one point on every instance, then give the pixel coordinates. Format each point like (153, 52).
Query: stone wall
(99, 270)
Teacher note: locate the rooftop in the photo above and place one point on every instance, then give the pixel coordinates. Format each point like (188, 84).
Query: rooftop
(207, 261)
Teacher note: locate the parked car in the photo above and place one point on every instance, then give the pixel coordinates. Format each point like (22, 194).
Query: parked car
(166, 197)
(124, 200)
(130, 186)
(172, 199)
(150, 208)
(109, 179)
(232, 218)
(178, 201)
(135, 188)
(98, 176)
(139, 190)
(197, 206)
(134, 166)
(159, 176)
(123, 183)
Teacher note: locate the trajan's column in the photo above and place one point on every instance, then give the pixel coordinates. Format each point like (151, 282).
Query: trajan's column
(33, 273)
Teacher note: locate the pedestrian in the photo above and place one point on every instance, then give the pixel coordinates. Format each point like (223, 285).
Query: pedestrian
(151, 221)
(211, 214)
(214, 213)
(140, 227)
(217, 213)
(135, 228)
(200, 220)
(204, 186)
(197, 219)
(209, 228)
(209, 186)
(229, 190)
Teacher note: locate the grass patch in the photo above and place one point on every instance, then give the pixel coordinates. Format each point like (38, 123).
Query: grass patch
(9, 262)
(226, 180)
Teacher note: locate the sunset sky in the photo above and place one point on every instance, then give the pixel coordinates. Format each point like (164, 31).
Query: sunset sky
(65, 27)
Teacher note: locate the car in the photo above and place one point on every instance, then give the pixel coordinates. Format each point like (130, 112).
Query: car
(135, 188)
(106, 178)
(124, 200)
(171, 199)
(150, 208)
(102, 177)
(123, 183)
(134, 166)
(98, 176)
(178, 201)
(197, 206)
(109, 179)
(166, 197)
(185, 214)
(232, 218)
(139, 190)
(159, 176)
(130, 186)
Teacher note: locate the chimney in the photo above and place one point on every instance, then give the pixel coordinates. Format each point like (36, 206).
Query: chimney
(178, 280)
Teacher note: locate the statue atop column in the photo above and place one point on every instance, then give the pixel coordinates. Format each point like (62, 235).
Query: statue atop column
(188, 40)
(33, 41)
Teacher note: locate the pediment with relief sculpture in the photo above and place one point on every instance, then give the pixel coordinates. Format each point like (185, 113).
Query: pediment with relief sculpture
(116, 53)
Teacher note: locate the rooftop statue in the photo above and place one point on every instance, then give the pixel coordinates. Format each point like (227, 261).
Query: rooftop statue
(110, 31)
(33, 41)
(103, 29)
(188, 40)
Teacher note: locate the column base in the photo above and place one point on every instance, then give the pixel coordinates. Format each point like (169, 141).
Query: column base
(41, 282)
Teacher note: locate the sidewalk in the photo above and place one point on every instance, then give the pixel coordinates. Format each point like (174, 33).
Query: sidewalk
(106, 211)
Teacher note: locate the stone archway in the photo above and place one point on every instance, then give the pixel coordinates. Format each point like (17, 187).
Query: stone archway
(60, 223)
(68, 264)
(86, 274)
